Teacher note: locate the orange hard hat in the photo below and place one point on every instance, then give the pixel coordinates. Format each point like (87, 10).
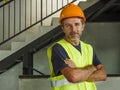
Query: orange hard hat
(72, 10)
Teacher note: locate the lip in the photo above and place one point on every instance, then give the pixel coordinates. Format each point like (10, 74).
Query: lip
(75, 34)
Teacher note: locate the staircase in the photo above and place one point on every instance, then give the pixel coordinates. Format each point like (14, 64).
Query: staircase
(28, 36)
(29, 27)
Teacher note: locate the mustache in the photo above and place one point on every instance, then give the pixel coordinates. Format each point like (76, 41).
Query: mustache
(73, 33)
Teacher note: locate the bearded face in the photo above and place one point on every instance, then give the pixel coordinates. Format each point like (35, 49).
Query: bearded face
(73, 27)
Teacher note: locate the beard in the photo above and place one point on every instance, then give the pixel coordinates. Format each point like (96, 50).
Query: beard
(73, 36)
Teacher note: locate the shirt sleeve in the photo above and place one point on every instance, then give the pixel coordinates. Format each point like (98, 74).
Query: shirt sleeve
(96, 60)
(58, 57)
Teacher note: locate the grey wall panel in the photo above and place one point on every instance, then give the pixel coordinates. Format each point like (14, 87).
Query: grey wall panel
(34, 84)
(9, 79)
(112, 83)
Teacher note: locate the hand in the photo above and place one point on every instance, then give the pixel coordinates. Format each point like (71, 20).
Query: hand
(99, 66)
(70, 63)
(91, 68)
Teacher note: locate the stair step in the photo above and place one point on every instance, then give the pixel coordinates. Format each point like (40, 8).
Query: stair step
(85, 5)
(17, 46)
(55, 21)
(31, 36)
(7, 45)
(4, 53)
(45, 29)
(14, 47)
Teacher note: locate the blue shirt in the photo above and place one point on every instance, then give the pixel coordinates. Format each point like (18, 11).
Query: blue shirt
(59, 55)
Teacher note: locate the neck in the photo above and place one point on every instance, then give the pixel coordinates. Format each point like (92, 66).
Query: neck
(73, 42)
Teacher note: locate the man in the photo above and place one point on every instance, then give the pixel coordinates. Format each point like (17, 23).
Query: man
(73, 63)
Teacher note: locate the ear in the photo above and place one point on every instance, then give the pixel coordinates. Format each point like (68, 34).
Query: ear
(62, 28)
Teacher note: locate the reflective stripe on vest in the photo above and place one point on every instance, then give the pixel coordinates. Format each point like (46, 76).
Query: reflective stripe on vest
(57, 83)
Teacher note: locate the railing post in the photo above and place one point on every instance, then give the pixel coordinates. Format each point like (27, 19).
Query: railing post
(41, 12)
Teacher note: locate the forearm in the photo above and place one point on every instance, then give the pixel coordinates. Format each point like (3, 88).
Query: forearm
(87, 72)
(78, 74)
(74, 74)
(99, 75)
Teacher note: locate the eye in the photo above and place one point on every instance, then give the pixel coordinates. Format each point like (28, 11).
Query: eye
(67, 26)
(77, 24)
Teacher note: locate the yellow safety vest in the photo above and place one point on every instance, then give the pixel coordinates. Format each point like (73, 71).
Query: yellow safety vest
(81, 60)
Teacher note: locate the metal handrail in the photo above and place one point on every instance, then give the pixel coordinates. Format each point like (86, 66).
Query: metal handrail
(18, 16)
(5, 3)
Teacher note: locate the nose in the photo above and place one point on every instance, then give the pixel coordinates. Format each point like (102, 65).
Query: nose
(73, 28)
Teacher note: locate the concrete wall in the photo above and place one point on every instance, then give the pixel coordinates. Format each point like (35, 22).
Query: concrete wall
(9, 79)
(112, 83)
(105, 39)
(41, 62)
(34, 84)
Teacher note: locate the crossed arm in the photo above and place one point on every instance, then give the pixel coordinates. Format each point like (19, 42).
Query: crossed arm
(89, 73)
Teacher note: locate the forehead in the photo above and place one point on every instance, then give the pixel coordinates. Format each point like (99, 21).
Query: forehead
(72, 20)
